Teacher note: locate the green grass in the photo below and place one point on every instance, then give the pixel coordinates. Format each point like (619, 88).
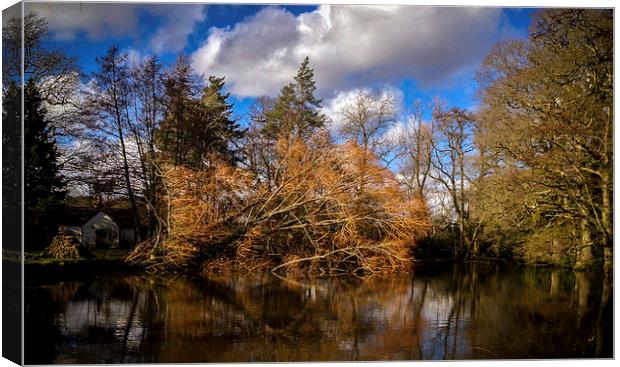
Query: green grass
(108, 254)
(35, 257)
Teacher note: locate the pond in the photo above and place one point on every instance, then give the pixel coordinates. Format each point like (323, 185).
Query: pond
(447, 311)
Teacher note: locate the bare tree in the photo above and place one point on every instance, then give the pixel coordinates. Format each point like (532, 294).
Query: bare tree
(111, 101)
(416, 151)
(452, 147)
(46, 67)
(147, 109)
(258, 149)
(366, 119)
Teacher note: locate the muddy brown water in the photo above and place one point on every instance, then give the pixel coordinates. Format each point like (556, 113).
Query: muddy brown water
(447, 311)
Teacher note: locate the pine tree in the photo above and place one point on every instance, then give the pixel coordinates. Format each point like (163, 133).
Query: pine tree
(304, 89)
(173, 133)
(11, 166)
(224, 130)
(44, 188)
(283, 118)
(296, 110)
(197, 125)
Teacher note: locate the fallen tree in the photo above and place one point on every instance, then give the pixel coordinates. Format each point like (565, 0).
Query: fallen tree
(330, 209)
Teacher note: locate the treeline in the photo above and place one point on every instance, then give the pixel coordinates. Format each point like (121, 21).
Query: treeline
(528, 175)
(545, 137)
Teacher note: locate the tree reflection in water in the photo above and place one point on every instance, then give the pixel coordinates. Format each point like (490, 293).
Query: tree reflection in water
(475, 311)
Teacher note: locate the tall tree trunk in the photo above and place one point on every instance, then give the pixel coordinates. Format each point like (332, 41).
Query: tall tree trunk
(585, 257)
(462, 234)
(607, 219)
(608, 253)
(132, 200)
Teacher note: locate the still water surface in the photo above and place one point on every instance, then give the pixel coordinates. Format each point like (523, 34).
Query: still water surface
(475, 311)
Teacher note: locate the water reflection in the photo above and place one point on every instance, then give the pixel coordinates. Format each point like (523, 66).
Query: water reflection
(448, 312)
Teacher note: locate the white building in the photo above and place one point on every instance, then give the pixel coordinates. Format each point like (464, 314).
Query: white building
(101, 231)
(99, 228)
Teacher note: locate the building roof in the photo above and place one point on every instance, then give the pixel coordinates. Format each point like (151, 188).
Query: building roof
(78, 216)
(102, 220)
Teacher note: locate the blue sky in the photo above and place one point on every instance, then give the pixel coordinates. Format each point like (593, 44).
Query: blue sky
(414, 52)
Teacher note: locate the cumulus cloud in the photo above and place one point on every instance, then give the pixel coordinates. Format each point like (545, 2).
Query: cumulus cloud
(135, 57)
(97, 20)
(397, 131)
(101, 20)
(257, 56)
(179, 21)
(349, 46)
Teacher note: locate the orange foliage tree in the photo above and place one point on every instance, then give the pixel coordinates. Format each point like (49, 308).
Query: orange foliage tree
(331, 209)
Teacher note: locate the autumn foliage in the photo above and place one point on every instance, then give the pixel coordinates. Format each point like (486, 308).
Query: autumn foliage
(330, 209)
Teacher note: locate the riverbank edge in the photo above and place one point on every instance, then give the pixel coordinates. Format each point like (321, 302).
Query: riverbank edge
(37, 272)
(69, 269)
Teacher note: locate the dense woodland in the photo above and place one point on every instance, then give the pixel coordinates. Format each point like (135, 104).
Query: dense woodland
(528, 175)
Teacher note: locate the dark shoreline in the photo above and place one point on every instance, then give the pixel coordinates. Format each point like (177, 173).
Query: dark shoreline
(37, 273)
(70, 270)
(43, 273)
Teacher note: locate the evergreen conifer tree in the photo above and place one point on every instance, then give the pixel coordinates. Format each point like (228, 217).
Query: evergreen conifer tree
(223, 129)
(11, 165)
(44, 187)
(296, 110)
(196, 125)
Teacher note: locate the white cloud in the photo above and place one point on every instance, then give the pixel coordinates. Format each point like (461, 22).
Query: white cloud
(103, 20)
(349, 46)
(97, 20)
(179, 22)
(256, 56)
(61, 94)
(332, 108)
(397, 131)
(135, 57)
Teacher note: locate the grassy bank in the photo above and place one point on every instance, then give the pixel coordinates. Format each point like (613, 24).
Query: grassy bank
(38, 268)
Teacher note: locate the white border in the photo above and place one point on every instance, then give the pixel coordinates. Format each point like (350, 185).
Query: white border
(489, 3)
